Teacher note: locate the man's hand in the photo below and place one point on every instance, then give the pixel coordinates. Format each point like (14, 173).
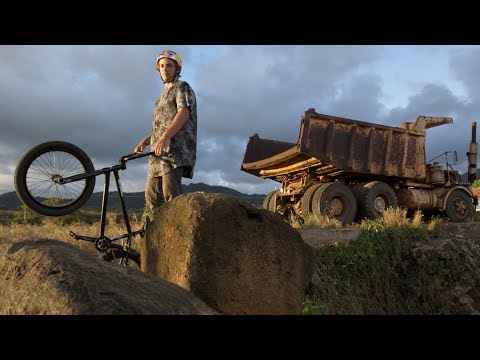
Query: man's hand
(142, 144)
(161, 146)
(139, 148)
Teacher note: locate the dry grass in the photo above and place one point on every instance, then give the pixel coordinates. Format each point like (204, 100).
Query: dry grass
(436, 227)
(396, 217)
(392, 217)
(51, 230)
(319, 222)
(417, 219)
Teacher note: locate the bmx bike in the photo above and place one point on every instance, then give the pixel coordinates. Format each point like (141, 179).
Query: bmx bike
(56, 178)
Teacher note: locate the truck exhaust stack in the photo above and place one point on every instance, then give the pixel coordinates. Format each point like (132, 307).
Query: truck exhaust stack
(472, 155)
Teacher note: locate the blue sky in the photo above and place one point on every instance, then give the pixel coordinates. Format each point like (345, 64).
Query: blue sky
(101, 98)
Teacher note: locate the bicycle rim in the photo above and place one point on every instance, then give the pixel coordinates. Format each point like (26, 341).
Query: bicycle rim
(39, 167)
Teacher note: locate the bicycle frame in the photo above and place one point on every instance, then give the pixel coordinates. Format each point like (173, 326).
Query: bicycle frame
(103, 243)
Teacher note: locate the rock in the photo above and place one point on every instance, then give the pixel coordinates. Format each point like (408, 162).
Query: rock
(235, 257)
(43, 276)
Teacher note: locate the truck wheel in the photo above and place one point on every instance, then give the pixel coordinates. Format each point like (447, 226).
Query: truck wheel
(459, 206)
(270, 201)
(335, 200)
(374, 198)
(267, 200)
(357, 190)
(307, 200)
(273, 201)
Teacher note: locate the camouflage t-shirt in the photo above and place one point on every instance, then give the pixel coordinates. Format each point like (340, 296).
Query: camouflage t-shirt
(183, 145)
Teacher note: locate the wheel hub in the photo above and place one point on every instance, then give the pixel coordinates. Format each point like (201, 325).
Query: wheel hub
(56, 178)
(460, 207)
(379, 204)
(336, 207)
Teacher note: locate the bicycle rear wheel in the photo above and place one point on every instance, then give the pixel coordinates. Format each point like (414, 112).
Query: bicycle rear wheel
(40, 166)
(118, 255)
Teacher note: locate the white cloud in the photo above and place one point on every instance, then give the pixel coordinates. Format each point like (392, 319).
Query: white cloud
(101, 98)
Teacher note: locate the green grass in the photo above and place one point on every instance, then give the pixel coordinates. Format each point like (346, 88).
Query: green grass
(380, 273)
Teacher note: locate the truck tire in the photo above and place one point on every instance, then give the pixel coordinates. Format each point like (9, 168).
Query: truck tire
(270, 201)
(266, 200)
(307, 200)
(273, 201)
(335, 200)
(357, 189)
(459, 206)
(374, 198)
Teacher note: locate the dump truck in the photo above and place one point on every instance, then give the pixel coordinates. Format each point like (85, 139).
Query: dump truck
(352, 170)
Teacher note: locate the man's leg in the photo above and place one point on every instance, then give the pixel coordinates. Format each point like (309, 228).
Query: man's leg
(172, 183)
(153, 192)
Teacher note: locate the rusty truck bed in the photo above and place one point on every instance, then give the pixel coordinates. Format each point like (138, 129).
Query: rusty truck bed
(335, 146)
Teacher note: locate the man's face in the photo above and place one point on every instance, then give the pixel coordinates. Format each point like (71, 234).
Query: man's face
(166, 67)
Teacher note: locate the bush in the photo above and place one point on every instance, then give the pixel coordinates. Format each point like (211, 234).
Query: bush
(379, 274)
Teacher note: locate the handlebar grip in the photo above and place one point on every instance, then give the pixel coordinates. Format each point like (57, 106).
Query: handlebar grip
(132, 156)
(135, 156)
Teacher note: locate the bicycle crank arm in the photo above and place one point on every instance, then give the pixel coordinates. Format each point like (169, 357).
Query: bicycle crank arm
(140, 232)
(81, 237)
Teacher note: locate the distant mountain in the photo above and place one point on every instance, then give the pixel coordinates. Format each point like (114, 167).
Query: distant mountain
(465, 175)
(136, 200)
(9, 201)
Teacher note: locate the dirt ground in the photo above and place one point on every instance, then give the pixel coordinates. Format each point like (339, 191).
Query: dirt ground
(469, 230)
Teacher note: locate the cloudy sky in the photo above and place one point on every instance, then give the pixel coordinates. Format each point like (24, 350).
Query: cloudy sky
(101, 99)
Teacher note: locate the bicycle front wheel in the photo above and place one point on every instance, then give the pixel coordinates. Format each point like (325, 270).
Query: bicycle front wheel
(37, 171)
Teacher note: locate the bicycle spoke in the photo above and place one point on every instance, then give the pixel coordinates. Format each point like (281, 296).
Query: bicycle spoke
(40, 178)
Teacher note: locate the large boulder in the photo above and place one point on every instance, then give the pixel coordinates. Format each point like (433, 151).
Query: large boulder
(235, 257)
(44, 276)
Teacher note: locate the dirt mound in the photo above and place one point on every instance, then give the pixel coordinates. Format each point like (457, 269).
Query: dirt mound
(44, 276)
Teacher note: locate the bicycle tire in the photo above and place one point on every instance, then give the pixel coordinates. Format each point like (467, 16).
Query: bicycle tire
(34, 174)
(117, 254)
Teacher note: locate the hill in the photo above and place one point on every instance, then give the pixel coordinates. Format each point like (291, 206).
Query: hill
(465, 175)
(136, 200)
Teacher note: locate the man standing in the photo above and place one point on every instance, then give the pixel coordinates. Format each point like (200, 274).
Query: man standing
(173, 134)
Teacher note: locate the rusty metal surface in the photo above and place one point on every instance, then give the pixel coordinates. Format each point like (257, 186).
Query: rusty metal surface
(364, 147)
(337, 146)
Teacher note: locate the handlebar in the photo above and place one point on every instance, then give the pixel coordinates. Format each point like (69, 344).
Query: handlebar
(135, 156)
(138, 155)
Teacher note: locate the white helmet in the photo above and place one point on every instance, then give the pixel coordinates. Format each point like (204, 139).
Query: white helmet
(170, 55)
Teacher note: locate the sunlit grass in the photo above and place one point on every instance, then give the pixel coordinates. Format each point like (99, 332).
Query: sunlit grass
(51, 229)
(313, 221)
